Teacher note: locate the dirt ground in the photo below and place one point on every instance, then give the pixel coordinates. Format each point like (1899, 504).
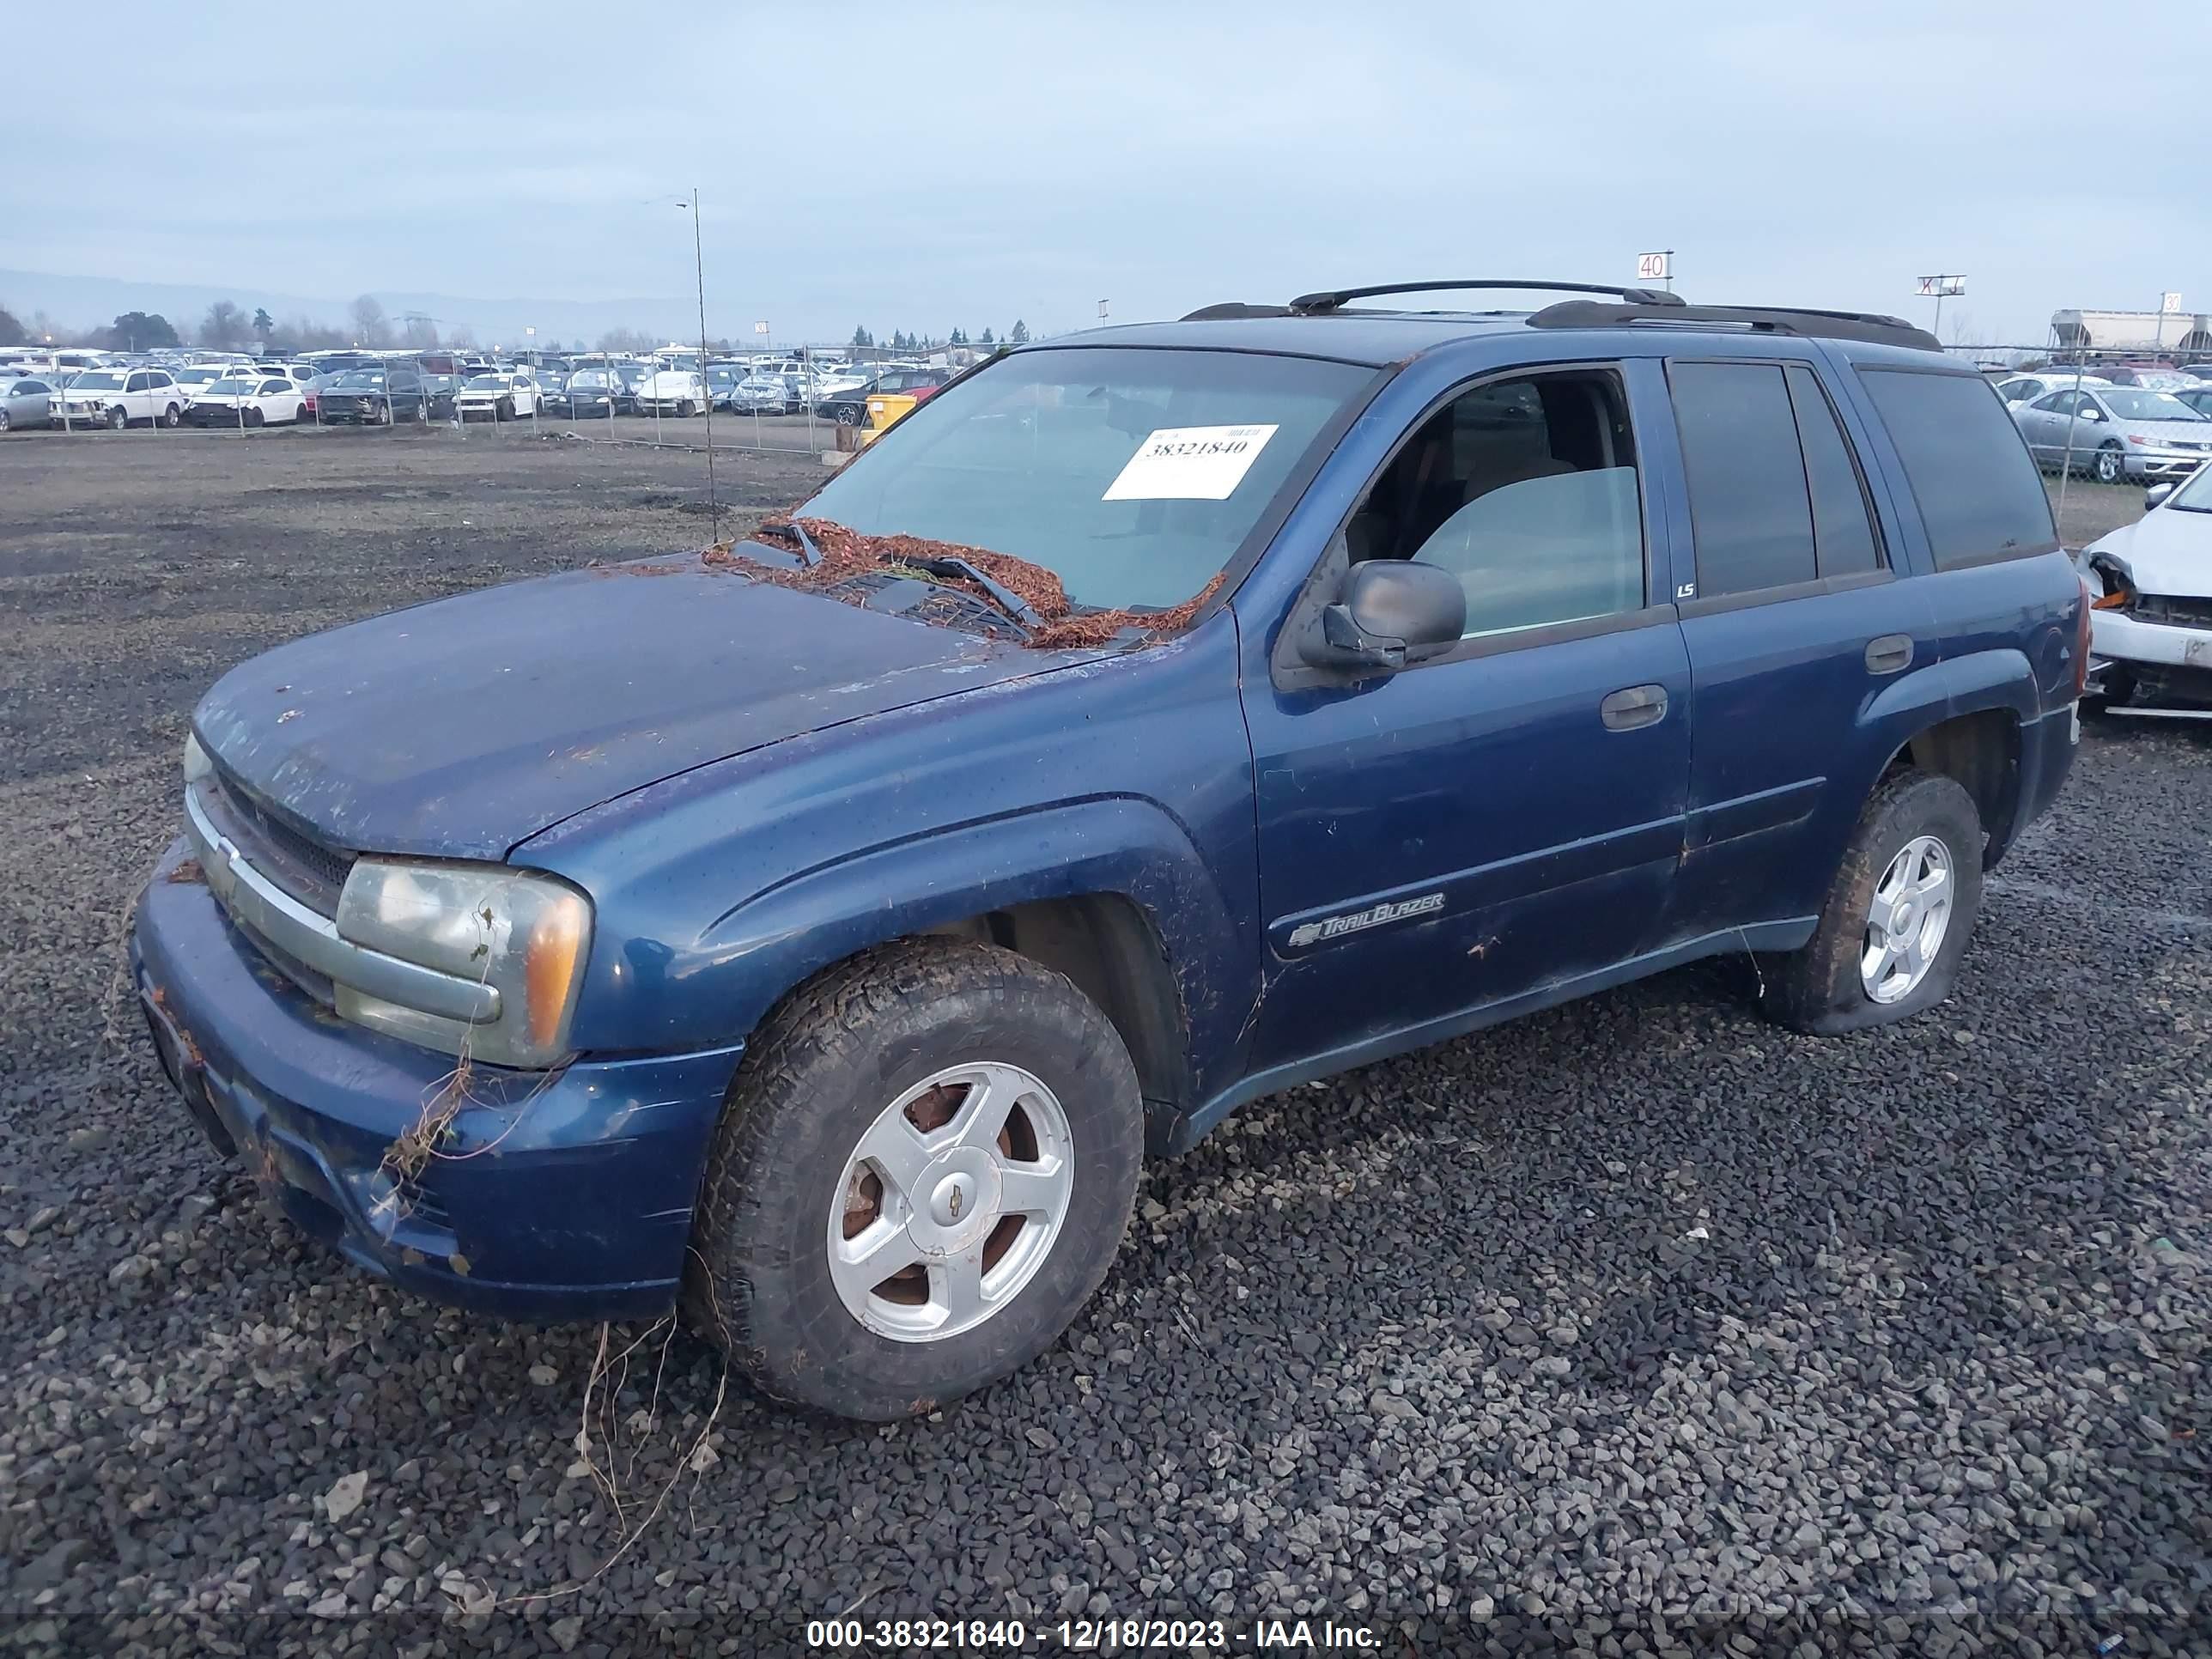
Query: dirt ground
(1636, 1326)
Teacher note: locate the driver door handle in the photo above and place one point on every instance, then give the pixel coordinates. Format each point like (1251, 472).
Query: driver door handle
(1639, 705)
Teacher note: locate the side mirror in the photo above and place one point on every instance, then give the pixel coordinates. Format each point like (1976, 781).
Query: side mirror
(2091, 414)
(2157, 494)
(1388, 612)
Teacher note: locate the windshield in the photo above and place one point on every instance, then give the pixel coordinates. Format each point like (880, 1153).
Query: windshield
(197, 376)
(2195, 496)
(97, 381)
(2148, 405)
(359, 381)
(1131, 475)
(228, 387)
(487, 382)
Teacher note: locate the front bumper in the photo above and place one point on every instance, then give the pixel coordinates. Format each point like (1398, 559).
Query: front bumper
(210, 414)
(558, 1196)
(2116, 636)
(2165, 463)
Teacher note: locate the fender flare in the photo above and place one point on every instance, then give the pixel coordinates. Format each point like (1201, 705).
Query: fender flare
(1970, 685)
(1115, 846)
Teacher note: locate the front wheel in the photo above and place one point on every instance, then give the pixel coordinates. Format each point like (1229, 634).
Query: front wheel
(2110, 464)
(684, 411)
(384, 415)
(923, 1172)
(1898, 916)
(172, 416)
(116, 420)
(848, 415)
(502, 410)
(255, 417)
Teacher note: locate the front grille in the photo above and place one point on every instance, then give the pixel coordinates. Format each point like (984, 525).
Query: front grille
(2173, 608)
(306, 868)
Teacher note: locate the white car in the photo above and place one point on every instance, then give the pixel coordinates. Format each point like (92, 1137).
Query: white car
(195, 377)
(2150, 629)
(499, 394)
(678, 391)
(249, 399)
(118, 397)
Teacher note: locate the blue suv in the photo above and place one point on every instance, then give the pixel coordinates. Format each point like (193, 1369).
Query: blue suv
(823, 929)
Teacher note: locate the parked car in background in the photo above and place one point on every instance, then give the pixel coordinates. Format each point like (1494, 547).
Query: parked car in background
(2151, 626)
(678, 391)
(195, 377)
(118, 397)
(2041, 383)
(249, 400)
(2116, 432)
(722, 380)
(25, 401)
(589, 391)
(380, 396)
(499, 395)
(850, 408)
(701, 937)
(760, 394)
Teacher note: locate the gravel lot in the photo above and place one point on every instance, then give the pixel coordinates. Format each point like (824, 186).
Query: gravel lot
(1637, 1327)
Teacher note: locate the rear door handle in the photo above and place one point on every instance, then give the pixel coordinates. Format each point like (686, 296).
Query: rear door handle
(1639, 705)
(1888, 654)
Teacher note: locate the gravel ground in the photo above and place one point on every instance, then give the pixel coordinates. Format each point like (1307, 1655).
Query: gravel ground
(1636, 1326)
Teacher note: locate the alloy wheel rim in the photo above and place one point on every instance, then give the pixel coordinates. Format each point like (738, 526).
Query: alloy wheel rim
(1907, 920)
(951, 1202)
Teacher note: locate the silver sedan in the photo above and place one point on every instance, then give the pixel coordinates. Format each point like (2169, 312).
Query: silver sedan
(25, 401)
(2116, 432)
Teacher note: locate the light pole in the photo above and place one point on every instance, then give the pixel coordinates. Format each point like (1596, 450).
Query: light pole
(706, 386)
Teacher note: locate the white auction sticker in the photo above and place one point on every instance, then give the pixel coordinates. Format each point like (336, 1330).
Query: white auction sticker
(1189, 463)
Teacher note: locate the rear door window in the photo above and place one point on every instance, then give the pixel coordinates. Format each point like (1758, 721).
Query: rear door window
(1844, 538)
(1749, 506)
(1980, 495)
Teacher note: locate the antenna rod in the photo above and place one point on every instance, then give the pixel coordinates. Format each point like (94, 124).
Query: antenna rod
(706, 385)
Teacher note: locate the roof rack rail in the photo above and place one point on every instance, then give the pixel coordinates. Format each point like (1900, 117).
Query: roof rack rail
(1872, 327)
(1336, 298)
(1231, 308)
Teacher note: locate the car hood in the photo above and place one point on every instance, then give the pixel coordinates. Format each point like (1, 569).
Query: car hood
(2168, 551)
(463, 726)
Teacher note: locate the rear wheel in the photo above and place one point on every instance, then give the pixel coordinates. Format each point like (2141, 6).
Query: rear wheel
(923, 1172)
(848, 415)
(1898, 916)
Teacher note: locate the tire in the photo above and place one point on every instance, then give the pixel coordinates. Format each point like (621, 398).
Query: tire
(826, 1067)
(1822, 987)
(848, 415)
(116, 420)
(255, 417)
(173, 416)
(502, 410)
(2110, 467)
(684, 410)
(4, 421)
(381, 415)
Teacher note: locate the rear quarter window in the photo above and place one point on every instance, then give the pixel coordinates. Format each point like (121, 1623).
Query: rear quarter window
(1980, 495)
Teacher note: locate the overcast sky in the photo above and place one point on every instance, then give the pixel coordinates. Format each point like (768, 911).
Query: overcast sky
(926, 166)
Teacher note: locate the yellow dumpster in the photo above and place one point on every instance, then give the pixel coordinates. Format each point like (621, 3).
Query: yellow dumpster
(884, 408)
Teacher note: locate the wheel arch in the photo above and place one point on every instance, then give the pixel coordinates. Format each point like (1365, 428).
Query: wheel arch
(1979, 752)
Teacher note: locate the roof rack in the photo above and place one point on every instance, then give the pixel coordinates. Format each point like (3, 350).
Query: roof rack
(1335, 299)
(1870, 326)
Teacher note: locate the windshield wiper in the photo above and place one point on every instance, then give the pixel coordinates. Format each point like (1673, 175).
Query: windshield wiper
(1007, 600)
(808, 552)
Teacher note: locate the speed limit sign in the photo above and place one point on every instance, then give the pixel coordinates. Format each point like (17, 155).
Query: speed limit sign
(1655, 267)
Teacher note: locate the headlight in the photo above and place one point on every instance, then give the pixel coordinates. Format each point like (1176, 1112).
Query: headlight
(197, 764)
(525, 936)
